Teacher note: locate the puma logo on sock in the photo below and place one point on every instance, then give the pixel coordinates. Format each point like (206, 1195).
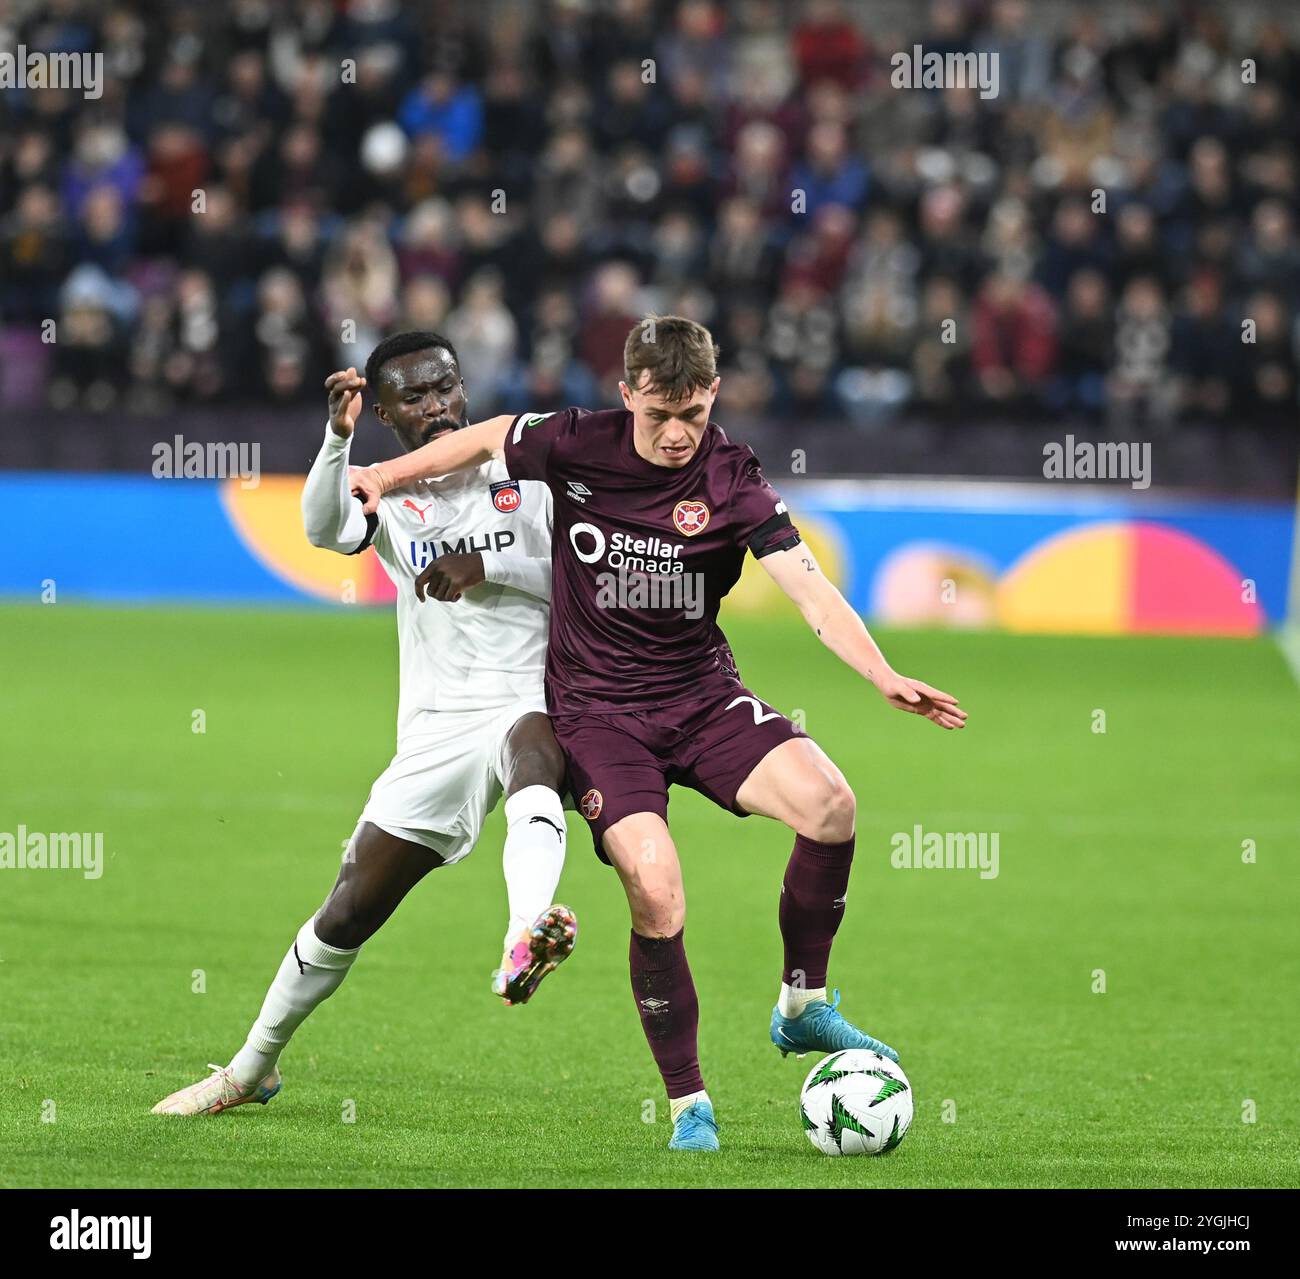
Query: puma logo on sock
(558, 832)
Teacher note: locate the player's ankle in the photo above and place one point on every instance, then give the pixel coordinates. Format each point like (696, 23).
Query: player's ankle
(516, 931)
(249, 1067)
(794, 999)
(679, 1105)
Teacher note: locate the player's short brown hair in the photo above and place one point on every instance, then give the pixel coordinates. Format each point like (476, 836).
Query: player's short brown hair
(680, 355)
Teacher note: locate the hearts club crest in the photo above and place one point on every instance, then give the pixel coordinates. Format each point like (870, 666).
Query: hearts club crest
(690, 518)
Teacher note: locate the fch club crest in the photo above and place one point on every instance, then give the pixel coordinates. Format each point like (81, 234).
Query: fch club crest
(506, 496)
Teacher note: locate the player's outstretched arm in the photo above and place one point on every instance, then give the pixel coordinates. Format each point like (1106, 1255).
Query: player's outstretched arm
(798, 574)
(455, 451)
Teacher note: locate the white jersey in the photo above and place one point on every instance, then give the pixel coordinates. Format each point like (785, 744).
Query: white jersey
(487, 649)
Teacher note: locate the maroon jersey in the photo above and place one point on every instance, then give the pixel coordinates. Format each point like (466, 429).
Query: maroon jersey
(642, 555)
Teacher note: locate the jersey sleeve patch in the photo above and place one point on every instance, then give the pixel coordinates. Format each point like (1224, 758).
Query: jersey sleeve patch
(529, 442)
(523, 422)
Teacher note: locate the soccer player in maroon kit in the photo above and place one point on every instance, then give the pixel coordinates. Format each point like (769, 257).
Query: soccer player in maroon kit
(642, 687)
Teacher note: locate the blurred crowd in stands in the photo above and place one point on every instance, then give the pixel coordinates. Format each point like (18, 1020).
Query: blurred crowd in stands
(264, 189)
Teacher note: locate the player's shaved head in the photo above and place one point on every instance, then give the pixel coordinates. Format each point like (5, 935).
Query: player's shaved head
(405, 344)
(418, 389)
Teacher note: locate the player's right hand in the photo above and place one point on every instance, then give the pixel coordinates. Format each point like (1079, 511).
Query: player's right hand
(345, 400)
(918, 698)
(449, 576)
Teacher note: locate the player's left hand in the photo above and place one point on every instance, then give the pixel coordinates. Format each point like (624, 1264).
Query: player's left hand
(449, 576)
(918, 698)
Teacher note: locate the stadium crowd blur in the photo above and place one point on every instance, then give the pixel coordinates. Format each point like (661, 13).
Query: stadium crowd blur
(531, 178)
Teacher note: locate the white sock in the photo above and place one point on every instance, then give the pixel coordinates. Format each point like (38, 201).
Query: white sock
(680, 1104)
(794, 999)
(309, 974)
(533, 856)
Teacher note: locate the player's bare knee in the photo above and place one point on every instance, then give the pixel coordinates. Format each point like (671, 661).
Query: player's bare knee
(655, 900)
(341, 934)
(534, 757)
(341, 925)
(661, 915)
(834, 810)
(535, 765)
(658, 930)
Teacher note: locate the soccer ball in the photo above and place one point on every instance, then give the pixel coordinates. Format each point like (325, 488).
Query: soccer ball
(856, 1103)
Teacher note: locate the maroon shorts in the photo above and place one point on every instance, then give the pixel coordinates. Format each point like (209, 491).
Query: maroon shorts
(622, 762)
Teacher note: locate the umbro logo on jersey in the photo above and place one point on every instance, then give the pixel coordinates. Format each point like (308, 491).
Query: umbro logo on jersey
(419, 510)
(578, 492)
(506, 496)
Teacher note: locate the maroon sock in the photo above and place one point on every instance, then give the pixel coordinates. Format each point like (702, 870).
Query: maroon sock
(812, 905)
(670, 1012)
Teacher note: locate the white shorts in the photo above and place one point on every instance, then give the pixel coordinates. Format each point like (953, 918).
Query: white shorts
(446, 777)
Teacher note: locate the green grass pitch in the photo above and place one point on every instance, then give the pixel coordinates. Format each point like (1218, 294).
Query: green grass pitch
(1119, 851)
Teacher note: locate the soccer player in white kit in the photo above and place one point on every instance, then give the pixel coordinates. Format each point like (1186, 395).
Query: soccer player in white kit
(470, 555)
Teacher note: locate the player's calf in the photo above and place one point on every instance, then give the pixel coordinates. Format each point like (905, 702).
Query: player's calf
(813, 898)
(641, 849)
(798, 784)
